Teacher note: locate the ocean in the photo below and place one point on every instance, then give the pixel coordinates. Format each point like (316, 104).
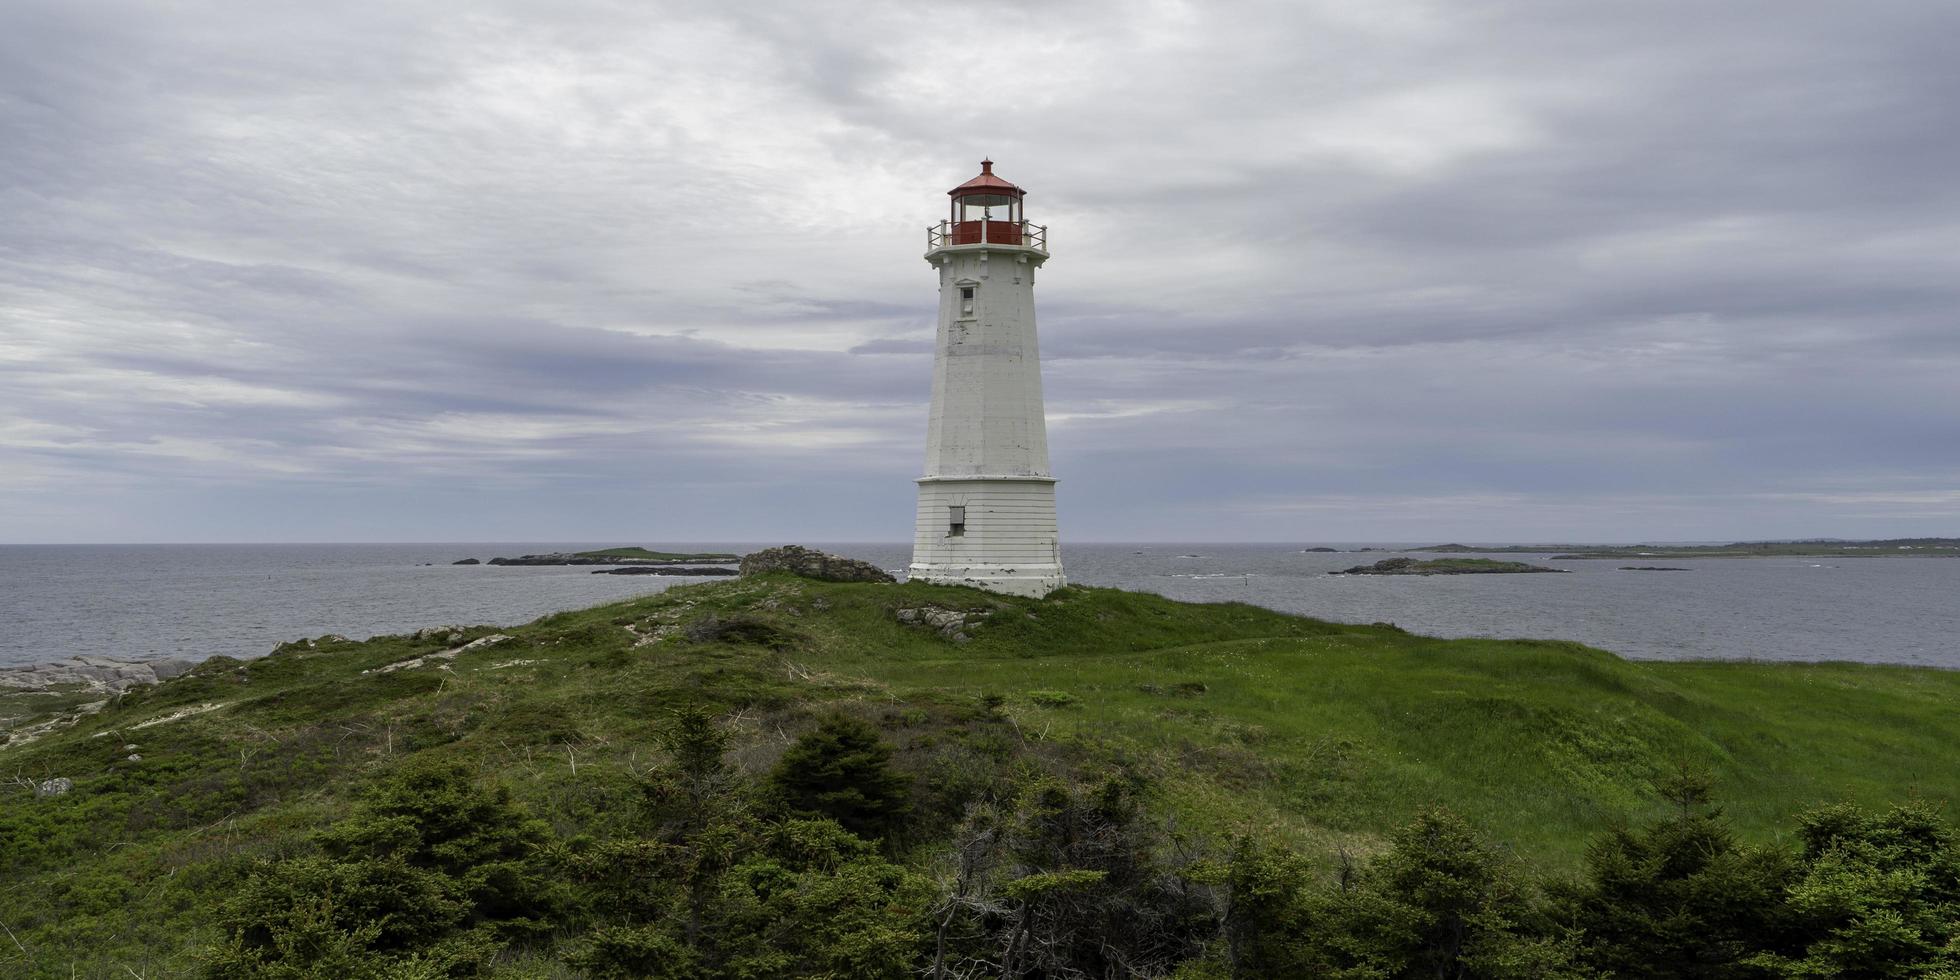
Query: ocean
(197, 601)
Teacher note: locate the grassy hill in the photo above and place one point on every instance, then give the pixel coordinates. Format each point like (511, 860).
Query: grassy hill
(1321, 735)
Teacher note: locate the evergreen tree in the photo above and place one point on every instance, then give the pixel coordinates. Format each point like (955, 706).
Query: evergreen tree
(1877, 896)
(1682, 899)
(843, 771)
(1440, 905)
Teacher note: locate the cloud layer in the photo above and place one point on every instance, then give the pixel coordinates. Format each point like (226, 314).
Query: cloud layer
(1323, 271)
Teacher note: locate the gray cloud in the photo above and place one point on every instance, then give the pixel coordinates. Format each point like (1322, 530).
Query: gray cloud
(1402, 270)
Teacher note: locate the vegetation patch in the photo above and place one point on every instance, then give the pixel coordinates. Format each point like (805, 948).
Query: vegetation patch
(779, 777)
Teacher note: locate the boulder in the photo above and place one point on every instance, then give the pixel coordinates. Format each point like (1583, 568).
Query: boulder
(810, 563)
(949, 623)
(54, 787)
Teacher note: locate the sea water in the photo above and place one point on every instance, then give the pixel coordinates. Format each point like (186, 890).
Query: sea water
(197, 601)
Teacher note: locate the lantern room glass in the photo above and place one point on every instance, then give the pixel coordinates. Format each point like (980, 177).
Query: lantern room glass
(987, 207)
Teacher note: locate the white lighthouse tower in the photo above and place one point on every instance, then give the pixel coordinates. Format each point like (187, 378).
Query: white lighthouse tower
(987, 502)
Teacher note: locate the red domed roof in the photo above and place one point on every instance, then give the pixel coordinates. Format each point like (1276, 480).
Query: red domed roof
(987, 183)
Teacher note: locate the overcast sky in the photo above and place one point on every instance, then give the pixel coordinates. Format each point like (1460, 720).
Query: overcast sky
(648, 272)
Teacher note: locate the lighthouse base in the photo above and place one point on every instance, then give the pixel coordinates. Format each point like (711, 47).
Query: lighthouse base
(993, 533)
(1030, 582)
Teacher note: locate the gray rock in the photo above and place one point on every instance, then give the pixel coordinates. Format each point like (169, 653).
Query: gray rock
(487, 641)
(133, 757)
(97, 674)
(810, 563)
(54, 787)
(949, 623)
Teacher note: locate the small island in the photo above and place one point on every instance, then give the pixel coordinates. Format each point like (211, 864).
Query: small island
(618, 556)
(1445, 566)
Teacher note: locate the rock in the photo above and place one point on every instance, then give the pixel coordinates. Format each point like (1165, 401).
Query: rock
(98, 674)
(488, 641)
(54, 787)
(452, 634)
(1329, 551)
(809, 563)
(133, 757)
(949, 623)
(466, 561)
(440, 656)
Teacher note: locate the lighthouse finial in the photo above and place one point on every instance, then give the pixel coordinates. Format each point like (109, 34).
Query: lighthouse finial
(986, 166)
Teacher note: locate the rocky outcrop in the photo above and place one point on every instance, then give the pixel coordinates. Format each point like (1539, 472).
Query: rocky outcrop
(105, 675)
(554, 560)
(451, 635)
(810, 563)
(466, 561)
(949, 623)
(431, 658)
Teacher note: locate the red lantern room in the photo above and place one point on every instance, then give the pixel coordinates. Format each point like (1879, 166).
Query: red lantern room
(987, 211)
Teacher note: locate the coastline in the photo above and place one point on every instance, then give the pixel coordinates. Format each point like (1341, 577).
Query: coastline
(156, 602)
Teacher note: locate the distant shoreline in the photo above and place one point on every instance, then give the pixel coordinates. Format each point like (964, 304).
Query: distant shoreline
(1882, 548)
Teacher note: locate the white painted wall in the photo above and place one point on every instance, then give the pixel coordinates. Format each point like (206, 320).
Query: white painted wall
(987, 437)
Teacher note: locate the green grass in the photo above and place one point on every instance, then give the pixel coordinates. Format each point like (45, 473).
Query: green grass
(1328, 735)
(645, 555)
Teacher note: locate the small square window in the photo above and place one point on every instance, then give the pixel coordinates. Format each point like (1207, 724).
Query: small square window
(956, 522)
(966, 292)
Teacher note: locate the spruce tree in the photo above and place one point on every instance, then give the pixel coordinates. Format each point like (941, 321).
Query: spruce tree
(844, 772)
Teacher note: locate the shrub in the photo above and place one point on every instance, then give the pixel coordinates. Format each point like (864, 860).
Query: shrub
(431, 871)
(1054, 699)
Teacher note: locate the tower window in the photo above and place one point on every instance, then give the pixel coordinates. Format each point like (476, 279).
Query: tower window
(966, 300)
(956, 522)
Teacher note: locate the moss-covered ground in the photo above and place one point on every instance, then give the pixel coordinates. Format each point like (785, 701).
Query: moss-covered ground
(1323, 734)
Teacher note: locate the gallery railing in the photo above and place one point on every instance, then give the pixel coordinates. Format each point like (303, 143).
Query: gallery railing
(1023, 233)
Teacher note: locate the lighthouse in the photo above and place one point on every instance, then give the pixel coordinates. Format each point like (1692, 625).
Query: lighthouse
(987, 500)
